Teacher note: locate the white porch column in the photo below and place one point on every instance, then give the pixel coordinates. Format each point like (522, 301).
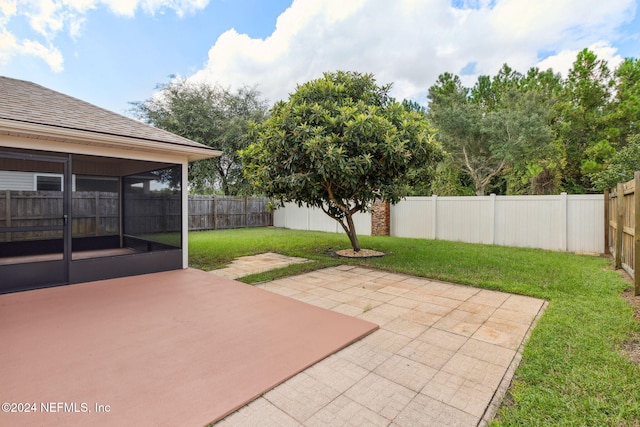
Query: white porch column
(185, 213)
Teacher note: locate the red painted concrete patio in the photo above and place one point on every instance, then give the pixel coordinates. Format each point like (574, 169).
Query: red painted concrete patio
(175, 348)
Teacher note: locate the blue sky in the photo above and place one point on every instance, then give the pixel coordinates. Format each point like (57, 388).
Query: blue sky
(112, 52)
(118, 59)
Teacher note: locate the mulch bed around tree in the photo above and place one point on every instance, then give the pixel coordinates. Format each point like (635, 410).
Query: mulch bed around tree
(362, 253)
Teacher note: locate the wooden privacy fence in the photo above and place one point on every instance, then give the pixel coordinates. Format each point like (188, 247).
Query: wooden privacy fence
(98, 213)
(622, 230)
(163, 213)
(223, 212)
(152, 213)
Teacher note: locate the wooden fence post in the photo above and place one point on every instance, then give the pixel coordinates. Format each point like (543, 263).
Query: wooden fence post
(619, 224)
(214, 212)
(636, 235)
(246, 211)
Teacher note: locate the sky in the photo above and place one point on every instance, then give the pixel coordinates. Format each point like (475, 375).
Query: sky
(114, 52)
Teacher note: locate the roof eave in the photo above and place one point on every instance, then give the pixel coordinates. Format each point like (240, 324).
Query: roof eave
(76, 136)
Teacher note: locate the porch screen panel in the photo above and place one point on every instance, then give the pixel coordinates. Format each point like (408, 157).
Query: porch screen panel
(96, 207)
(152, 209)
(31, 220)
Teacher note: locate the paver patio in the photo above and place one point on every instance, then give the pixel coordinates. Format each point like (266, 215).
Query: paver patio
(253, 264)
(444, 354)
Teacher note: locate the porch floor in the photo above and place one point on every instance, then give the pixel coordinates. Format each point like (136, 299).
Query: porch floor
(174, 348)
(58, 256)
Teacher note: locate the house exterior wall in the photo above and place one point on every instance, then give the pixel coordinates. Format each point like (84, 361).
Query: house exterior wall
(16, 181)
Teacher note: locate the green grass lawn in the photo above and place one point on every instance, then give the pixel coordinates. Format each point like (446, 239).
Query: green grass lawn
(573, 370)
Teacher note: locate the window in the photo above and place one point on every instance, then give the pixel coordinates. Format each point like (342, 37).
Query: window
(48, 182)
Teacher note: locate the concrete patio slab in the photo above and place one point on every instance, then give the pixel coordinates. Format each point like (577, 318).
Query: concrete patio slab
(179, 348)
(444, 354)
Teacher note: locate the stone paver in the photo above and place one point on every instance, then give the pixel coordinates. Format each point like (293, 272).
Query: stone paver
(444, 353)
(256, 264)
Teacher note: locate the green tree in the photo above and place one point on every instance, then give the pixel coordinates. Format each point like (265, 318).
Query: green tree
(621, 166)
(420, 180)
(619, 123)
(210, 115)
(458, 128)
(623, 120)
(489, 127)
(338, 143)
(449, 180)
(540, 172)
(582, 124)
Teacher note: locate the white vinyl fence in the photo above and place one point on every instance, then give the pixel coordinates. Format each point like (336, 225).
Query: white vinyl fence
(291, 216)
(573, 223)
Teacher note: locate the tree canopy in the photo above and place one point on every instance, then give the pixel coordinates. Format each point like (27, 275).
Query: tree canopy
(508, 133)
(490, 127)
(338, 143)
(536, 133)
(210, 115)
(621, 166)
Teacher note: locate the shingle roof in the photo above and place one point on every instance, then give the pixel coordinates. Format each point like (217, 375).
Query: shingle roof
(27, 102)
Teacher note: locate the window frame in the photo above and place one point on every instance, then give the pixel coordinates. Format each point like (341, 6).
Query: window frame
(56, 175)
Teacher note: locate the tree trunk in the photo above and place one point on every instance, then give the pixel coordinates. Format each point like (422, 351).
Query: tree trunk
(348, 228)
(351, 232)
(225, 187)
(480, 188)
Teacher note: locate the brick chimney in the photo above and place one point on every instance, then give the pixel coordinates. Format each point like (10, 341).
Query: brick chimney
(380, 218)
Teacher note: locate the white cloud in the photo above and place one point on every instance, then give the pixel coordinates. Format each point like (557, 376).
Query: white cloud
(411, 42)
(180, 7)
(10, 47)
(8, 7)
(563, 61)
(48, 18)
(50, 55)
